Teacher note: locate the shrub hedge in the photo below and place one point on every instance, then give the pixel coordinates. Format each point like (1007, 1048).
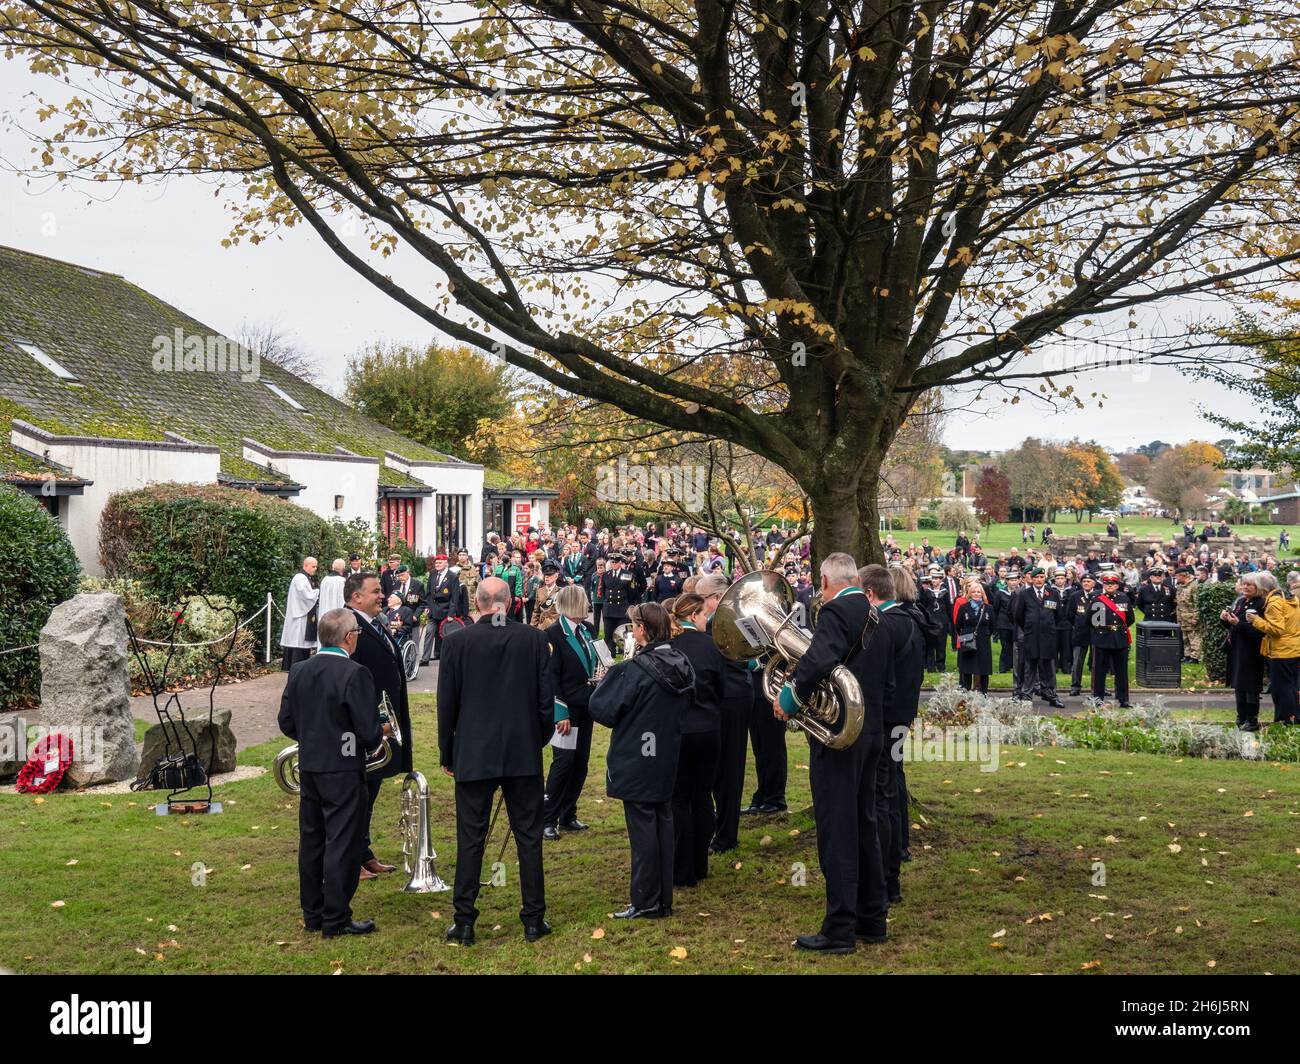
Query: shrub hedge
(1211, 600)
(182, 539)
(41, 571)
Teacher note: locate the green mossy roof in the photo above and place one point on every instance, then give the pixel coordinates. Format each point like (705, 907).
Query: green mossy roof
(102, 328)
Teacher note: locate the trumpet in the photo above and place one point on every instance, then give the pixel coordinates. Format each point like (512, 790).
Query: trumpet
(286, 761)
(756, 617)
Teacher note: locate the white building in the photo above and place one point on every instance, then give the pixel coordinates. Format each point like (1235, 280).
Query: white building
(104, 388)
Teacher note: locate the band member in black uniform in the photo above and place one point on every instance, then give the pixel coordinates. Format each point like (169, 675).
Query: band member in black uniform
(377, 651)
(496, 710)
(573, 664)
(1079, 607)
(329, 705)
(1034, 612)
(737, 700)
(973, 639)
(1155, 598)
(1001, 602)
(1247, 666)
(1064, 623)
(1112, 616)
(444, 600)
(844, 781)
(900, 700)
(644, 700)
(693, 816)
(617, 588)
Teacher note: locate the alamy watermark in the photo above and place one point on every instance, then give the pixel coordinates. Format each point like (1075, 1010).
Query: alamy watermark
(976, 743)
(18, 741)
(210, 353)
(628, 483)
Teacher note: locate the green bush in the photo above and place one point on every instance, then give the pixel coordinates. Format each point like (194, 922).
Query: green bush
(181, 539)
(41, 571)
(1211, 599)
(929, 522)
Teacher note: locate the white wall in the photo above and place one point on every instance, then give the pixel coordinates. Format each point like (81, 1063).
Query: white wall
(324, 476)
(114, 466)
(446, 478)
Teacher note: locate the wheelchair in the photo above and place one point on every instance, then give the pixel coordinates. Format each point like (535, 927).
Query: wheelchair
(408, 648)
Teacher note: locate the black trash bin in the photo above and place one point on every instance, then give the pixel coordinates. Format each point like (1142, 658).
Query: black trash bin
(1159, 654)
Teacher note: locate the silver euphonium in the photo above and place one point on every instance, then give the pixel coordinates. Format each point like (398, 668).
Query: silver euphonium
(756, 617)
(286, 761)
(416, 829)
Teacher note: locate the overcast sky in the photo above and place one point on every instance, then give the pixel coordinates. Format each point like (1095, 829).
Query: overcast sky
(167, 240)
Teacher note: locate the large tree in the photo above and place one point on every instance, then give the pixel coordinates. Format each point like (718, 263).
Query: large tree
(853, 202)
(1183, 476)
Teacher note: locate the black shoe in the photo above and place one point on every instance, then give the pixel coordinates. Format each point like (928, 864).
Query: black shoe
(551, 833)
(1249, 725)
(633, 913)
(312, 928)
(1056, 703)
(356, 927)
(533, 932)
(463, 934)
(907, 855)
(750, 810)
(768, 808)
(821, 944)
(895, 892)
(1074, 692)
(1126, 705)
(715, 848)
(574, 825)
(874, 935)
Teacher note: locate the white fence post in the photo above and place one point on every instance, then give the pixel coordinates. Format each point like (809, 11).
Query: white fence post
(266, 658)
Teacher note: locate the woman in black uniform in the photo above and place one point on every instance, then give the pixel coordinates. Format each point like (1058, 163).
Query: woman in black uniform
(973, 639)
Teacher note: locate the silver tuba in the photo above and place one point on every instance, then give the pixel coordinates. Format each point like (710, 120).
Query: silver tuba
(416, 830)
(756, 617)
(286, 761)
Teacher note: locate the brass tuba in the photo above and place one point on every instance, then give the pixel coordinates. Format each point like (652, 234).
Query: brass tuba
(416, 830)
(756, 617)
(286, 761)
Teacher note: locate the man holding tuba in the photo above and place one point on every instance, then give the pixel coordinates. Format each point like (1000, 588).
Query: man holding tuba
(329, 706)
(844, 781)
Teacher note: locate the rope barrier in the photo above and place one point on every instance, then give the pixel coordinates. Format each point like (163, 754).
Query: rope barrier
(15, 650)
(206, 642)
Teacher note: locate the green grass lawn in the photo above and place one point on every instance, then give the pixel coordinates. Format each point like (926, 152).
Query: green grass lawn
(1001, 537)
(1201, 864)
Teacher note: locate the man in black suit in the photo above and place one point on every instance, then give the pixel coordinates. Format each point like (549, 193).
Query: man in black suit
(1035, 611)
(496, 710)
(444, 600)
(411, 590)
(378, 653)
(329, 706)
(844, 781)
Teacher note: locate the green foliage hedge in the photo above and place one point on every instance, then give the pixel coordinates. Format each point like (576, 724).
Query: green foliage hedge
(1211, 599)
(182, 539)
(41, 570)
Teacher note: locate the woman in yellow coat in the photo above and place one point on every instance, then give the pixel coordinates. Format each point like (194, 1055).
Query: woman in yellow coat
(1280, 625)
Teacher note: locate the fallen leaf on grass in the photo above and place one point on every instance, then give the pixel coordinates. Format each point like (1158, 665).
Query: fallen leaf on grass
(57, 904)
(1211, 964)
(1175, 848)
(1088, 965)
(678, 953)
(999, 934)
(766, 840)
(72, 862)
(598, 933)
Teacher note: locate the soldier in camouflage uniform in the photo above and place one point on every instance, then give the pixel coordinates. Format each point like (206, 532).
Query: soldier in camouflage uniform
(1188, 619)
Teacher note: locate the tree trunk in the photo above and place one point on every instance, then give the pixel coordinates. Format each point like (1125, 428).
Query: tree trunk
(840, 524)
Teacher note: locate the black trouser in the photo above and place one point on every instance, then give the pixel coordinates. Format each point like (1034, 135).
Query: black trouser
(1041, 672)
(693, 819)
(1247, 706)
(1018, 671)
(612, 621)
(373, 786)
(904, 815)
(332, 818)
(1064, 659)
(432, 639)
(1006, 656)
(1282, 687)
(596, 608)
(890, 801)
(565, 781)
(936, 649)
(968, 677)
(729, 781)
(293, 655)
(848, 843)
(650, 831)
(1105, 661)
(767, 734)
(523, 796)
(1076, 667)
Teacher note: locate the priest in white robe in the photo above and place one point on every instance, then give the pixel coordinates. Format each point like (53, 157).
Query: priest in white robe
(331, 589)
(298, 636)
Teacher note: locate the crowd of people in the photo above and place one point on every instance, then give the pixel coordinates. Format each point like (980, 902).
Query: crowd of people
(683, 717)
